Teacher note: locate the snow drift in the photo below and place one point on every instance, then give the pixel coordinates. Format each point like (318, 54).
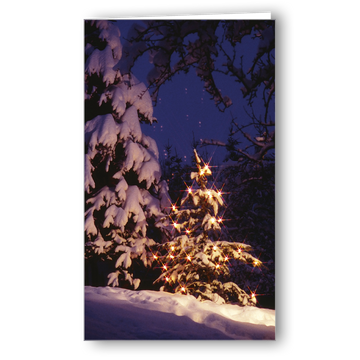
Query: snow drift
(121, 314)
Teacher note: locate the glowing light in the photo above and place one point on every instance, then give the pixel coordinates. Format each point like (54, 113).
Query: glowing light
(206, 170)
(171, 256)
(253, 295)
(189, 190)
(239, 250)
(165, 267)
(256, 262)
(155, 257)
(201, 172)
(226, 258)
(220, 220)
(209, 193)
(167, 278)
(188, 257)
(183, 289)
(213, 220)
(174, 207)
(176, 226)
(173, 248)
(215, 247)
(187, 231)
(219, 193)
(217, 266)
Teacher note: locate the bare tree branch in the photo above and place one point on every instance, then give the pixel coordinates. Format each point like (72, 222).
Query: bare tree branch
(201, 51)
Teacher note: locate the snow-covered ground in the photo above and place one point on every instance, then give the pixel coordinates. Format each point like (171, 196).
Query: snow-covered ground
(115, 313)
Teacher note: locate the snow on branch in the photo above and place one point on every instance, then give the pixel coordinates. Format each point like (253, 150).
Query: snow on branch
(212, 142)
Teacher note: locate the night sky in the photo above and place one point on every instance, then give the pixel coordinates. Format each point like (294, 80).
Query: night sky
(184, 108)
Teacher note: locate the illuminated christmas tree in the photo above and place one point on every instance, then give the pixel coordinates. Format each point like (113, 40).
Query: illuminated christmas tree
(196, 261)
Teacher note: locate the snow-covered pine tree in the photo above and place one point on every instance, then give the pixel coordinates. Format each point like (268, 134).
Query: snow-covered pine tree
(195, 261)
(123, 192)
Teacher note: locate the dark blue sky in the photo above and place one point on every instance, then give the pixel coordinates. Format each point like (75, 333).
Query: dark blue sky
(184, 108)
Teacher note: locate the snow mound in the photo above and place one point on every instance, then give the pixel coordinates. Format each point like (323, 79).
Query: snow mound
(115, 313)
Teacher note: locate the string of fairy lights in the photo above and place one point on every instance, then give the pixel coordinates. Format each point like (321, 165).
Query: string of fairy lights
(184, 255)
